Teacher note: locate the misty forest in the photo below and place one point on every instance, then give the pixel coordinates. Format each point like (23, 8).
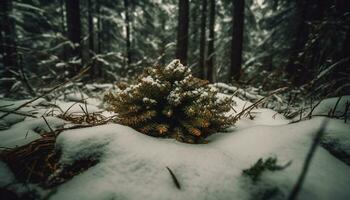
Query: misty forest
(174, 99)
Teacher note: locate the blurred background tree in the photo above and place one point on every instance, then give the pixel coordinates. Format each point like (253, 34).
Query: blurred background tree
(264, 43)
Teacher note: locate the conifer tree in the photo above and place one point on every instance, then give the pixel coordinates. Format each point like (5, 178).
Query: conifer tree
(170, 102)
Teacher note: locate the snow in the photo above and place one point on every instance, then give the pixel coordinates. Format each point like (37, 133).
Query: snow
(262, 116)
(7, 105)
(251, 95)
(76, 108)
(175, 66)
(337, 138)
(324, 107)
(133, 165)
(26, 131)
(6, 176)
(77, 97)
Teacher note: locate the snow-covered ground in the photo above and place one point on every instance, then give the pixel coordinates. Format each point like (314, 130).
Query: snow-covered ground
(134, 166)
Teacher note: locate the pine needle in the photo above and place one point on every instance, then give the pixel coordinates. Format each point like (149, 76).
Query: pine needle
(176, 182)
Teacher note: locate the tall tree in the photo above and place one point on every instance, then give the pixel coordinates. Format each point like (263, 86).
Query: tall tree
(63, 21)
(301, 64)
(98, 13)
(74, 27)
(91, 36)
(182, 31)
(202, 57)
(8, 40)
(127, 27)
(211, 51)
(295, 67)
(237, 39)
(91, 28)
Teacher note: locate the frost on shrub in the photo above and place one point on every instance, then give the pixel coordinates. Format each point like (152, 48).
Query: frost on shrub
(170, 102)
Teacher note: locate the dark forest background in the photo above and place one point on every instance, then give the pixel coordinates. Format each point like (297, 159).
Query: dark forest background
(303, 44)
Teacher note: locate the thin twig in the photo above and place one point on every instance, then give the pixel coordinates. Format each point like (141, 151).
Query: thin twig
(46, 93)
(313, 108)
(347, 106)
(18, 113)
(25, 137)
(249, 108)
(4, 106)
(335, 106)
(64, 114)
(51, 130)
(176, 182)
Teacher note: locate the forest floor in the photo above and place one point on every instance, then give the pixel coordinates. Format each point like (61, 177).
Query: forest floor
(117, 162)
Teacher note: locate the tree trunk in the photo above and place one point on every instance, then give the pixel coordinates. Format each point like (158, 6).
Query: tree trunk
(194, 38)
(91, 28)
(91, 39)
(300, 66)
(202, 58)
(182, 31)
(211, 51)
(63, 27)
(237, 39)
(99, 37)
(8, 41)
(127, 27)
(74, 28)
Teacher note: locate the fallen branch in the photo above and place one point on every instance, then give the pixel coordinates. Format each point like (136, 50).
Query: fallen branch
(18, 113)
(254, 105)
(46, 93)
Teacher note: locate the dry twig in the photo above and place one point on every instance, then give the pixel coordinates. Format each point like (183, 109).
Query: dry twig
(46, 93)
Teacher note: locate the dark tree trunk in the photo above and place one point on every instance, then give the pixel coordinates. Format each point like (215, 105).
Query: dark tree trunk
(8, 41)
(74, 28)
(300, 65)
(63, 21)
(202, 58)
(63, 29)
(182, 31)
(194, 38)
(211, 51)
(343, 7)
(127, 26)
(237, 39)
(294, 67)
(99, 36)
(91, 39)
(91, 29)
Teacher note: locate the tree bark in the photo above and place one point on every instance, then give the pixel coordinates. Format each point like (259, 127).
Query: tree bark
(211, 50)
(91, 28)
(127, 27)
(237, 40)
(74, 28)
(99, 36)
(8, 41)
(182, 31)
(93, 73)
(202, 57)
(300, 66)
(63, 27)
